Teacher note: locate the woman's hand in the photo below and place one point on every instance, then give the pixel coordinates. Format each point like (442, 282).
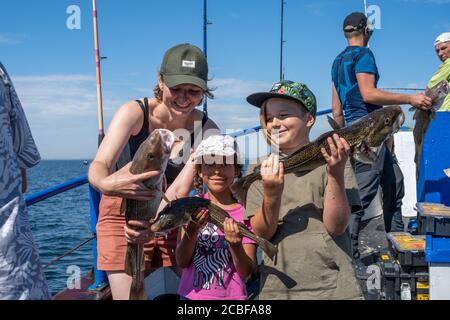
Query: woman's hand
(232, 233)
(138, 232)
(338, 156)
(272, 172)
(123, 183)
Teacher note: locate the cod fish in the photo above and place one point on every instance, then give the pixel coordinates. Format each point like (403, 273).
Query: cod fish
(424, 117)
(180, 212)
(152, 154)
(364, 136)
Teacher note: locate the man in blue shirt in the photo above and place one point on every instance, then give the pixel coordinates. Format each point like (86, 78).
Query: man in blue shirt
(354, 95)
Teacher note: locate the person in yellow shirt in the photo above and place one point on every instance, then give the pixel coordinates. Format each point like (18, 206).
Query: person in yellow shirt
(423, 118)
(442, 47)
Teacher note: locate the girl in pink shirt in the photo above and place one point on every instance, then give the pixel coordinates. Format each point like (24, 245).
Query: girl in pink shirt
(215, 263)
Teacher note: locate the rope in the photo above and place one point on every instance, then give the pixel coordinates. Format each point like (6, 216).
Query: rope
(69, 252)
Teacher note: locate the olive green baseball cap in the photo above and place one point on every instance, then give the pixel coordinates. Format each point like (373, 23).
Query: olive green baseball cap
(286, 89)
(184, 63)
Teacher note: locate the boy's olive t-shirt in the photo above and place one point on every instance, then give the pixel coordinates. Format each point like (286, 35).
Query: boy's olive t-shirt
(310, 264)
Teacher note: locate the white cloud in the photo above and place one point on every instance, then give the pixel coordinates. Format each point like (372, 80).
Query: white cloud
(230, 88)
(54, 96)
(11, 38)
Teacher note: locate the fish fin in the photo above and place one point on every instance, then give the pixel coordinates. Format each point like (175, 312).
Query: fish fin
(139, 295)
(123, 206)
(165, 198)
(366, 154)
(137, 289)
(270, 249)
(333, 123)
(361, 157)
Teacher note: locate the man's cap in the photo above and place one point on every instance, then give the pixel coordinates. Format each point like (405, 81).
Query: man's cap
(217, 145)
(184, 63)
(443, 37)
(296, 91)
(355, 21)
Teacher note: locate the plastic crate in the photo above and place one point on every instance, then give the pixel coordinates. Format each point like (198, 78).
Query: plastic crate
(434, 219)
(404, 284)
(408, 249)
(437, 249)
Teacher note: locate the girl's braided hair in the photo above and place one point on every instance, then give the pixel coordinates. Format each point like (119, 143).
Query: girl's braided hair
(198, 181)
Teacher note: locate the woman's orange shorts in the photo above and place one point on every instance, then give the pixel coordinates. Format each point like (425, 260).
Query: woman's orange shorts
(112, 244)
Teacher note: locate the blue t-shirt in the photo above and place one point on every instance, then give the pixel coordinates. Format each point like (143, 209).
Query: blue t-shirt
(347, 64)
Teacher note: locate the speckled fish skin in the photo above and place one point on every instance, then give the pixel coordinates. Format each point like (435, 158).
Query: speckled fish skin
(153, 154)
(367, 132)
(180, 212)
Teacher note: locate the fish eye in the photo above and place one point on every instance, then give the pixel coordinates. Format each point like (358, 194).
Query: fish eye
(150, 157)
(387, 121)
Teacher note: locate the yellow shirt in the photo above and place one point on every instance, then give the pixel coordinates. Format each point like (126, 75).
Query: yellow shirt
(442, 73)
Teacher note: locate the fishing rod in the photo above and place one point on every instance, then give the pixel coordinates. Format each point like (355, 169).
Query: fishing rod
(100, 277)
(205, 46)
(282, 40)
(101, 133)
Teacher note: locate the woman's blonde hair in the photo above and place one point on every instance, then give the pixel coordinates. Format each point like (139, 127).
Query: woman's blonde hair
(158, 93)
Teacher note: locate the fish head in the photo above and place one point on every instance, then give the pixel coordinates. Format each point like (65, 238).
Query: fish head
(166, 222)
(383, 124)
(154, 152)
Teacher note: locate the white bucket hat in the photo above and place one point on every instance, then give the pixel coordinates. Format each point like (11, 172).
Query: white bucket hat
(443, 37)
(217, 145)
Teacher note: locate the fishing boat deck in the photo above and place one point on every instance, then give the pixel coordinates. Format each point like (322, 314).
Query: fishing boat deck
(84, 293)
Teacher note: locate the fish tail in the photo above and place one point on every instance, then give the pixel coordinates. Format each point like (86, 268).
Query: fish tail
(270, 249)
(133, 264)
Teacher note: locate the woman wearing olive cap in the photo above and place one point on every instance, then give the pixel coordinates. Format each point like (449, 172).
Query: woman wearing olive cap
(181, 87)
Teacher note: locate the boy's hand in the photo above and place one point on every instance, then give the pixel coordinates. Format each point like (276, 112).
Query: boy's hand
(272, 172)
(231, 231)
(338, 156)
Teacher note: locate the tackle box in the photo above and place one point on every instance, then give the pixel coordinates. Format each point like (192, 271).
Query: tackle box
(434, 219)
(403, 284)
(407, 249)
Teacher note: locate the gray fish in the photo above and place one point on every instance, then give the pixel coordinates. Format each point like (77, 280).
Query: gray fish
(180, 211)
(152, 154)
(364, 137)
(423, 118)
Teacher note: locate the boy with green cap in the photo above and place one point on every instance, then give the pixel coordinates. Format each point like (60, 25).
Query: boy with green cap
(308, 220)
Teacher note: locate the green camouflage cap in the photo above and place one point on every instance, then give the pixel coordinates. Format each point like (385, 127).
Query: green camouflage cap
(296, 91)
(184, 63)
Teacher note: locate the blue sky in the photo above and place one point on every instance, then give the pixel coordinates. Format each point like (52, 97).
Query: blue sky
(54, 71)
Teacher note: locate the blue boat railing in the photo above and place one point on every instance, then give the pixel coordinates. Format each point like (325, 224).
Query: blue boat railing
(53, 191)
(100, 278)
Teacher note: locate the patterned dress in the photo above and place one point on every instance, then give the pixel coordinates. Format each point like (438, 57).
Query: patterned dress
(21, 275)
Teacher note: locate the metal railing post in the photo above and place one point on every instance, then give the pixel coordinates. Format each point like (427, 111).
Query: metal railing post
(100, 277)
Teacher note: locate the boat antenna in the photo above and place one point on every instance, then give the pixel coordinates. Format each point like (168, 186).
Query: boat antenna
(205, 47)
(282, 40)
(101, 133)
(365, 13)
